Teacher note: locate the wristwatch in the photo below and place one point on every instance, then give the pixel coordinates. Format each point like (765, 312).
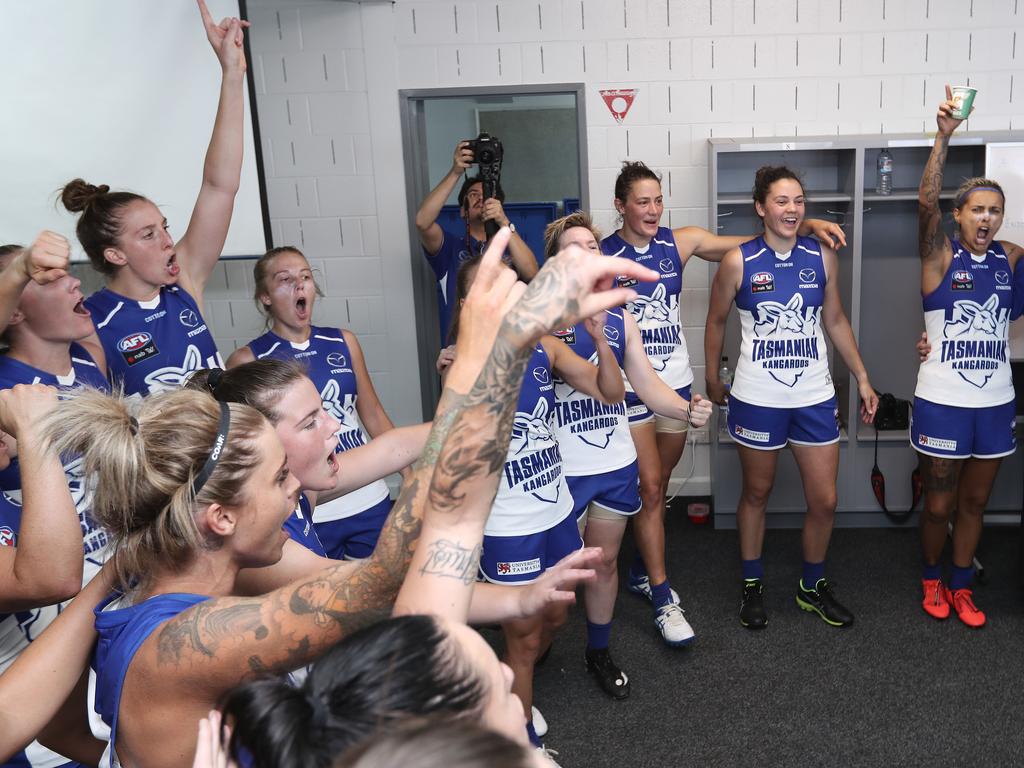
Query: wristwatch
(511, 226)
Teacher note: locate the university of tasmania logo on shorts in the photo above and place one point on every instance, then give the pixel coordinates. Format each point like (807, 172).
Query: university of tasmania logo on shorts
(751, 435)
(519, 567)
(936, 442)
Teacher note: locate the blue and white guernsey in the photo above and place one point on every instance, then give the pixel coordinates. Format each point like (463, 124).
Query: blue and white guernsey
(328, 362)
(152, 346)
(532, 495)
(783, 361)
(656, 307)
(18, 629)
(593, 437)
(967, 321)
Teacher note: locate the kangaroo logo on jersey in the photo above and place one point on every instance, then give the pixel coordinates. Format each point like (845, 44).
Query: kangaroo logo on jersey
(536, 464)
(785, 341)
(8, 538)
(975, 340)
(188, 318)
(343, 408)
(174, 377)
(762, 282)
(962, 280)
(136, 347)
(659, 335)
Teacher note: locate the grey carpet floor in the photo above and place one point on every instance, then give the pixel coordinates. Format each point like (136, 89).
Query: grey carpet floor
(898, 688)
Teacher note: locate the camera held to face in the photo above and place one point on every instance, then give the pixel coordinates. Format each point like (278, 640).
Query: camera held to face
(488, 154)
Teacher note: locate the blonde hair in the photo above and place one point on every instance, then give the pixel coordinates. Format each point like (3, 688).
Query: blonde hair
(554, 230)
(261, 270)
(142, 458)
(978, 182)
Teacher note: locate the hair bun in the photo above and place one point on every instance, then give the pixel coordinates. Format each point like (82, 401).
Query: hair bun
(78, 194)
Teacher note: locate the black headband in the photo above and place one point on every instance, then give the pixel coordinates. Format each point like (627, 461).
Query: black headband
(213, 380)
(215, 452)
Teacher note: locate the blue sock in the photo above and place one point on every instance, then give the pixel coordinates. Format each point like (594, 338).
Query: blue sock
(637, 570)
(598, 635)
(931, 572)
(534, 738)
(661, 594)
(812, 572)
(961, 578)
(753, 569)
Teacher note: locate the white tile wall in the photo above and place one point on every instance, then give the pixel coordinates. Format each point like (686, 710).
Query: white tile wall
(328, 74)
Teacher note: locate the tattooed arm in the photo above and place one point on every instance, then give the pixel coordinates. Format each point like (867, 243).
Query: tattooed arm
(933, 246)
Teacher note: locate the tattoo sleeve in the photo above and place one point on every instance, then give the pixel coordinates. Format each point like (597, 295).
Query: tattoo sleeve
(930, 237)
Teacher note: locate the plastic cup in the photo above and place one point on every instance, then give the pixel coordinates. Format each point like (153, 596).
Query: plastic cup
(698, 512)
(963, 100)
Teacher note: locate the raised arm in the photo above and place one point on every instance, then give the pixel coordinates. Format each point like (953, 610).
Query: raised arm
(45, 261)
(574, 285)
(34, 688)
(523, 259)
(697, 241)
(723, 293)
(649, 386)
(602, 382)
(392, 452)
(932, 243)
(837, 325)
(46, 565)
(430, 231)
(203, 241)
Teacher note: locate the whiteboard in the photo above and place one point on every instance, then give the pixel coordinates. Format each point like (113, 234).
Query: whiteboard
(1004, 162)
(118, 92)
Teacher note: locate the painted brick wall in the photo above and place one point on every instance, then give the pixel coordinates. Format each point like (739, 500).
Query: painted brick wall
(328, 72)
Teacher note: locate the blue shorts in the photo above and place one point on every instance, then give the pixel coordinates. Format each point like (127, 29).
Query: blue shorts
(522, 559)
(639, 413)
(618, 490)
(767, 428)
(354, 538)
(953, 432)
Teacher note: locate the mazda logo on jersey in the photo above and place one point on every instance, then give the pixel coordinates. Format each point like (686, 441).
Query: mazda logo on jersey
(188, 318)
(807, 275)
(1002, 277)
(541, 375)
(666, 265)
(336, 360)
(8, 538)
(136, 347)
(762, 282)
(612, 334)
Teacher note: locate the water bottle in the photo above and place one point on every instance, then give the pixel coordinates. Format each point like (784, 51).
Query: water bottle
(725, 376)
(884, 173)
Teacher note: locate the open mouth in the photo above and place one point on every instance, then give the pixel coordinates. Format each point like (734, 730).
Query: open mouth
(982, 234)
(172, 266)
(79, 309)
(332, 462)
(302, 307)
(790, 221)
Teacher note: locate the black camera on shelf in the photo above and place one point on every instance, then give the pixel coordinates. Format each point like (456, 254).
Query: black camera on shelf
(488, 154)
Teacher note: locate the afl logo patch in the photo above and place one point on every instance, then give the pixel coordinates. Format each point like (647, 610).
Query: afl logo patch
(762, 282)
(336, 360)
(666, 265)
(807, 275)
(8, 538)
(568, 335)
(136, 347)
(188, 318)
(625, 282)
(1002, 277)
(962, 280)
(541, 375)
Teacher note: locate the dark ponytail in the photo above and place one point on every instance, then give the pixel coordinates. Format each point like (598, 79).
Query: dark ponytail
(382, 674)
(99, 226)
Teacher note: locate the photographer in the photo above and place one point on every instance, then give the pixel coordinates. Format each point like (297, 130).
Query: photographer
(445, 250)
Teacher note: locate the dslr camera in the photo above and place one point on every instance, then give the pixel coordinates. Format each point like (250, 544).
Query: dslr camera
(488, 154)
